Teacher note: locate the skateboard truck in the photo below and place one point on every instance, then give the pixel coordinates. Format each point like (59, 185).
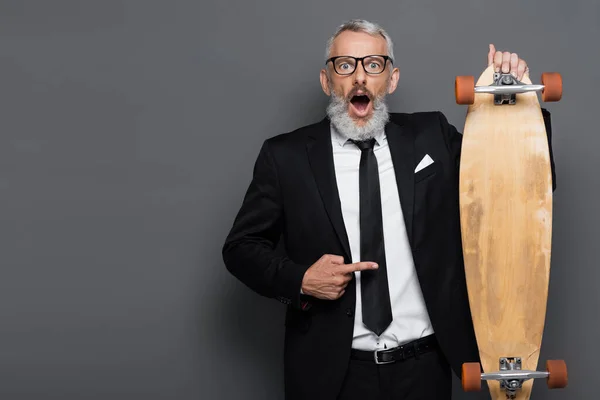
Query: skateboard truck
(505, 88)
(511, 376)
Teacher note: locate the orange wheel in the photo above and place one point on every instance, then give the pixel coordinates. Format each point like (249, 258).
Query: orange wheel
(471, 377)
(553, 86)
(558, 378)
(464, 89)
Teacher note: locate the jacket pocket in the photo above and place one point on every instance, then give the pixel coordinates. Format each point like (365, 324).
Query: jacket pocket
(427, 172)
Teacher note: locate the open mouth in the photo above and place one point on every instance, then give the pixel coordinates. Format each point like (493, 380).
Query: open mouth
(360, 103)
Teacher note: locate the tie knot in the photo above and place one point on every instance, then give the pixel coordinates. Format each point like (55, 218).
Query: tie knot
(364, 144)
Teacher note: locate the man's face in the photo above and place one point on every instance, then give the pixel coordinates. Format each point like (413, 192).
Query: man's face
(360, 89)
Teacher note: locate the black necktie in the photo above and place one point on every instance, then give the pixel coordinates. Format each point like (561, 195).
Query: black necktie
(376, 306)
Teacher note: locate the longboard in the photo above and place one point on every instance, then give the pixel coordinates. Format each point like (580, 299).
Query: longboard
(506, 224)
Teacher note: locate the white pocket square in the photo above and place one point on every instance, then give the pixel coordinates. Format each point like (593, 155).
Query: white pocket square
(424, 163)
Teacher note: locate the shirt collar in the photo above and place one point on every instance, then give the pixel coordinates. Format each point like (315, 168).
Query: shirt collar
(341, 140)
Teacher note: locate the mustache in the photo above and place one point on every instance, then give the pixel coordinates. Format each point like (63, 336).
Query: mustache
(364, 90)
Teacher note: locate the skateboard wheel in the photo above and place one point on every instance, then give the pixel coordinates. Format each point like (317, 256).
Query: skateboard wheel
(552, 82)
(558, 377)
(464, 89)
(471, 377)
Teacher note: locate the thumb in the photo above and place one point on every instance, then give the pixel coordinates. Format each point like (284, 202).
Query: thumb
(491, 54)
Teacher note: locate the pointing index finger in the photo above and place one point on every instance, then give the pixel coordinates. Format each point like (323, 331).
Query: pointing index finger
(360, 266)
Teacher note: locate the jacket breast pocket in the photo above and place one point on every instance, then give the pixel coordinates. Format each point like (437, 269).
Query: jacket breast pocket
(427, 172)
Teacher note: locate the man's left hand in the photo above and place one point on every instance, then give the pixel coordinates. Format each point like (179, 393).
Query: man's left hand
(507, 62)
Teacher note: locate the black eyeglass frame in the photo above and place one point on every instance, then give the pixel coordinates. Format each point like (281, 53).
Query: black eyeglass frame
(361, 60)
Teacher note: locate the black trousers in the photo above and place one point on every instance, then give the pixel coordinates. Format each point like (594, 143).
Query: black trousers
(426, 378)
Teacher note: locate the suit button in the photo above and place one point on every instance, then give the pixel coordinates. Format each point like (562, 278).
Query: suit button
(349, 312)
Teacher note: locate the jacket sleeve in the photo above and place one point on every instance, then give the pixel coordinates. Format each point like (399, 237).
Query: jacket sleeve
(453, 140)
(548, 123)
(249, 251)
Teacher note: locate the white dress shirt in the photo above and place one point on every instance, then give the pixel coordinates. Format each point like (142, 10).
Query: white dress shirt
(410, 317)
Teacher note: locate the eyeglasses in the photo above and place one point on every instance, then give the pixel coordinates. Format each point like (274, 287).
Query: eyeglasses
(346, 65)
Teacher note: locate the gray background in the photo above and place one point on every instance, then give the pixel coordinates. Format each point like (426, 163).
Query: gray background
(128, 133)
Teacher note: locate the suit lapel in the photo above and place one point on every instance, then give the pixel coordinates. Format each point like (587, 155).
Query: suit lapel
(319, 150)
(401, 141)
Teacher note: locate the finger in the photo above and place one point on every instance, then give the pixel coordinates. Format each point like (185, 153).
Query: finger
(340, 281)
(335, 259)
(506, 62)
(497, 61)
(341, 293)
(343, 286)
(491, 54)
(522, 67)
(360, 266)
(514, 64)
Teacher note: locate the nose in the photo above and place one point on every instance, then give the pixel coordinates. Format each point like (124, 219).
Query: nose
(360, 76)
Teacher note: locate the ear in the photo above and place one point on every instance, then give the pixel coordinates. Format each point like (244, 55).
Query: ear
(325, 82)
(394, 78)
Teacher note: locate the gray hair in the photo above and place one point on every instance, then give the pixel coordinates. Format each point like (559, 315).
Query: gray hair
(361, 25)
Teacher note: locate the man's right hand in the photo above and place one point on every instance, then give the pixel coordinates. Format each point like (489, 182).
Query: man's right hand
(327, 278)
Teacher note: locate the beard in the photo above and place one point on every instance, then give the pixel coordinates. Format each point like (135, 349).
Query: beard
(337, 111)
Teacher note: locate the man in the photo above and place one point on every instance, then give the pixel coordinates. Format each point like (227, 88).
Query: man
(367, 205)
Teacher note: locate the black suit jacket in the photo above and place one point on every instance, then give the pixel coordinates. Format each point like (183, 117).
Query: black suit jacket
(293, 195)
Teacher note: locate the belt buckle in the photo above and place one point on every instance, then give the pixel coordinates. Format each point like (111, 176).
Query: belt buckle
(381, 362)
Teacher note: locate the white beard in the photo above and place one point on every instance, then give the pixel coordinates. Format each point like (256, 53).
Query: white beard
(337, 111)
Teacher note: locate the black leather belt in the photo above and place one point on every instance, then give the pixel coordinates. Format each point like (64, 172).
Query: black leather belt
(400, 353)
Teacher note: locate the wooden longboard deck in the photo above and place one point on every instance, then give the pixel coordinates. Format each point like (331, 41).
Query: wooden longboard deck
(506, 217)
